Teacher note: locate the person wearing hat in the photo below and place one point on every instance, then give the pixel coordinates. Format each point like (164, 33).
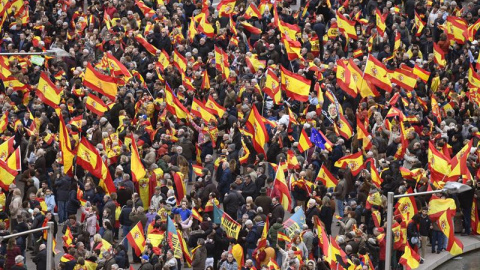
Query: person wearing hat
(264, 201)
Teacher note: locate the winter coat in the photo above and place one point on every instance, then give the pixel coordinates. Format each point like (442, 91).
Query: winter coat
(199, 258)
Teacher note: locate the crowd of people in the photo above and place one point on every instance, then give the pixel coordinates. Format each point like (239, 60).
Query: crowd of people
(203, 99)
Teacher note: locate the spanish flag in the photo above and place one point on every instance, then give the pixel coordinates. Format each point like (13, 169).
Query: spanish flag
(272, 264)
(67, 237)
(14, 161)
(214, 108)
(179, 61)
(292, 160)
(192, 30)
(304, 142)
(281, 185)
(296, 86)
(149, 47)
(362, 133)
(456, 29)
(419, 24)
(205, 80)
(3, 122)
(197, 169)
(136, 238)
(326, 177)
(67, 258)
(346, 26)
(101, 83)
(272, 86)
(459, 163)
(410, 259)
(421, 73)
(256, 126)
(436, 109)
(380, 22)
(336, 255)
(345, 80)
(95, 105)
(439, 56)
(343, 127)
(281, 236)
(48, 92)
(252, 11)
(226, 7)
(246, 153)
(253, 63)
(454, 245)
(354, 162)
(147, 12)
(88, 157)
(472, 30)
(7, 175)
(6, 148)
(205, 27)
(174, 106)
(364, 87)
(376, 180)
(438, 163)
(293, 48)
(199, 110)
(116, 67)
(376, 72)
(65, 146)
(250, 28)
(136, 166)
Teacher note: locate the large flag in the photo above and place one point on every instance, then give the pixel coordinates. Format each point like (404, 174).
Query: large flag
(336, 255)
(136, 238)
(304, 142)
(116, 67)
(263, 237)
(281, 185)
(149, 47)
(376, 180)
(421, 73)
(295, 222)
(136, 166)
(228, 224)
(250, 28)
(6, 148)
(67, 237)
(419, 24)
(295, 86)
(380, 22)
(376, 72)
(343, 127)
(410, 259)
(179, 61)
(323, 242)
(101, 83)
(406, 207)
(252, 11)
(363, 134)
(326, 177)
(404, 78)
(459, 164)
(364, 87)
(293, 48)
(256, 126)
(353, 161)
(437, 206)
(47, 91)
(95, 105)
(174, 106)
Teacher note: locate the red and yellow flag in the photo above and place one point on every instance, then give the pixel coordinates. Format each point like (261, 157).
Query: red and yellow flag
(88, 157)
(410, 259)
(380, 21)
(214, 108)
(250, 28)
(295, 86)
(200, 111)
(136, 238)
(255, 124)
(179, 61)
(101, 83)
(181, 190)
(65, 146)
(304, 142)
(95, 105)
(226, 7)
(346, 26)
(272, 86)
(14, 161)
(47, 91)
(281, 185)
(326, 177)
(439, 56)
(149, 47)
(7, 175)
(345, 80)
(292, 160)
(252, 11)
(376, 72)
(353, 161)
(136, 166)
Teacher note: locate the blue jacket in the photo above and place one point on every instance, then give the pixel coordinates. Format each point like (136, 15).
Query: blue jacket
(225, 181)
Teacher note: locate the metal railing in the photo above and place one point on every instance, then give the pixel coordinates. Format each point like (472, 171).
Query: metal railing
(49, 247)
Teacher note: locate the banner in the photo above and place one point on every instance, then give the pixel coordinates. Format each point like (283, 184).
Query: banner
(173, 240)
(295, 222)
(230, 226)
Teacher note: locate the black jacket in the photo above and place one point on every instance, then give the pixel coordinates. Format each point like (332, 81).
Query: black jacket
(41, 260)
(124, 216)
(62, 186)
